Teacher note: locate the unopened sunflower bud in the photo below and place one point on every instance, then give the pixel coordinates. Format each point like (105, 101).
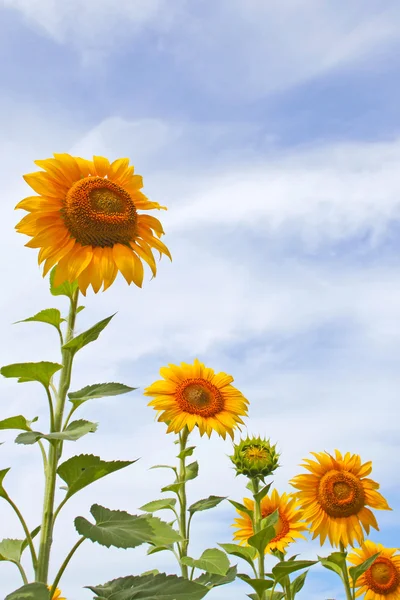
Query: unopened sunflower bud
(255, 457)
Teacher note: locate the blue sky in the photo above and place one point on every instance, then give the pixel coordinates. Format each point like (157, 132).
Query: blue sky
(271, 131)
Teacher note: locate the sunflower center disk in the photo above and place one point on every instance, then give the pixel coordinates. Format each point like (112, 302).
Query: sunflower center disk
(98, 212)
(200, 397)
(383, 577)
(341, 494)
(256, 454)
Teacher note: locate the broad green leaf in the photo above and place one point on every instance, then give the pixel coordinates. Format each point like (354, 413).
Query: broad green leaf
(32, 591)
(88, 336)
(163, 533)
(242, 508)
(271, 520)
(339, 558)
(18, 422)
(262, 493)
(211, 580)
(150, 587)
(155, 505)
(122, 530)
(206, 503)
(65, 289)
(80, 471)
(186, 452)
(282, 569)
(192, 471)
(98, 390)
(11, 550)
(40, 371)
(3, 473)
(73, 432)
(212, 561)
(258, 585)
(331, 566)
(356, 572)
(247, 553)
(298, 583)
(52, 316)
(262, 538)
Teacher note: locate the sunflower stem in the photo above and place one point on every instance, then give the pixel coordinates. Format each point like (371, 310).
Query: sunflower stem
(183, 545)
(346, 581)
(257, 527)
(55, 448)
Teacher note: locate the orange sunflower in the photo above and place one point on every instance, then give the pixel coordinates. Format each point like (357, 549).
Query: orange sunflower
(289, 523)
(335, 496)
(192, 395)
(85, 220)
(382, 580)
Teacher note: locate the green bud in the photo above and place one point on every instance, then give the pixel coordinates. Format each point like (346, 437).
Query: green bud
(255, 457)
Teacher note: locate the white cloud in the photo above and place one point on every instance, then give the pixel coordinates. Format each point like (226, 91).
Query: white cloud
(210, 302)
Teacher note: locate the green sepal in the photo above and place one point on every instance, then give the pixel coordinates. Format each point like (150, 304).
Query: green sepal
(356, 572)
(150, 587)
(51, 316)
(31, 591)
(73, 432)
(24, 372)
(98, 390)
(212, 561)
(247, 553)
(81, 340)
(206, 503)
(18, 422)
(80, 471)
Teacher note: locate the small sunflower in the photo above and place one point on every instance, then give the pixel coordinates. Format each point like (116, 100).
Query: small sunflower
(289, 523)
(382, 580)
(192, 395)
(85, 220)
(335, 496)
(57, 594)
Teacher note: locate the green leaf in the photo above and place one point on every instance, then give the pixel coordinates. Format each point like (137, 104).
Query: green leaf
(211, 580)
(73, 432)
(173, 487)
(275, 595)
(80, 471)
(150, 587)
(242, 508)
(331, 566)
(155, 505)
(155, 549)
(298, 583)
(152, 572)
(262, 493)
(52, 316)
(282, 569)
(40, 371)
(122, 530)
(33, 535)
(65, 289)
(98, 390)
(192, 471)
(356, 572)
(163, 467)
(258, 585)
(18, 422)
(271, 520)
(32, 591)
(206, 503)
(11, 550)
(3, 473)
(88, 336)
(262, 538)
(212, 561)
(247, 553)
(186, 452)
(163, 533)
(335, 562)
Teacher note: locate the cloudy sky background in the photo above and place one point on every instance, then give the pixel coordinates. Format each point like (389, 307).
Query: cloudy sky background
(271, 131)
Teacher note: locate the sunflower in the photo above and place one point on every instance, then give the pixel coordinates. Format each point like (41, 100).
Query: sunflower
(382, 579)
(289, 523)
(85, 220)
(57, 594)
(192, 395)
(335, 496)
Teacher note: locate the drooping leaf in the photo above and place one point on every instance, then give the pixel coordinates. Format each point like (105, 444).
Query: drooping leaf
(3, 473)
(258, 585)
(31, 591)
(73, 432)
(80, 471)
(40, 371)
(242, 508)
(212, 561)
(211, 580)
(335, 562)
(51, 316)
(88, 336)
(122, 530)
(206, 503)
(11, 549)
(65, 289)
(18, 422)
(247, 553)
(186, 452)
(155, 505)
(282, 569)
(192, 471)
(98, 390)
(150, 587)
(356, 572)
(155, 549)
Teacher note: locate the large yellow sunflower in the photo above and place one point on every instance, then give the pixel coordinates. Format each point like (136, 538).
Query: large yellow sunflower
(192, 395)
(289, 523)
(85, 220)
(335, 496)
(382, 580)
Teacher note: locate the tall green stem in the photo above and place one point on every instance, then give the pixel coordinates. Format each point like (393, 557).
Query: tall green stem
(46, 537)
(257, 527)
(349, 595)
(183, 545)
